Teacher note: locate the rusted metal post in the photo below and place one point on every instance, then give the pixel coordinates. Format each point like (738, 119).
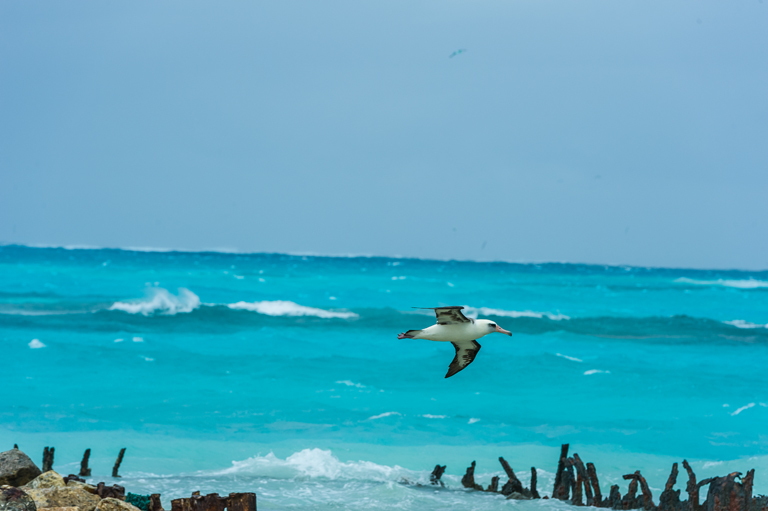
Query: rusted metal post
(559, 492)
(118, 462)
(436, 474)
(595, 484)
(534, 492)
(468, 481)
(48, 458)
(84, 470)
(514, 484)
(691, 488)
(584, 479)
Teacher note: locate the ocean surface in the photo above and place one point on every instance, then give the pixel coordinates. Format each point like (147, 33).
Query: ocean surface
(283, 375)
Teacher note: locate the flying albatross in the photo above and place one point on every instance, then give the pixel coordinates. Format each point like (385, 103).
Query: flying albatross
(454, 327)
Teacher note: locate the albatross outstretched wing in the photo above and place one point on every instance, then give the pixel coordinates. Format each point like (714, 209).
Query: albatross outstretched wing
(449, 315)
(465, 353)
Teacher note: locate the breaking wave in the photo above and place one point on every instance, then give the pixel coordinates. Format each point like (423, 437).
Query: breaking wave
(740, 323)
(287, 308)
(474, 313)
(160, 301)
(315, 463)
(739, 284)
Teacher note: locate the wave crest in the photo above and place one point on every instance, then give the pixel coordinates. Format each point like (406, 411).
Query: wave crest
(288, 308)
(160, 301)
(314, 463)
(739, 284)
(474, 312)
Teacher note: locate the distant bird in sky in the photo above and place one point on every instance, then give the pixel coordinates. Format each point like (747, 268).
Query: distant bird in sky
(457, 52)
(452, 326)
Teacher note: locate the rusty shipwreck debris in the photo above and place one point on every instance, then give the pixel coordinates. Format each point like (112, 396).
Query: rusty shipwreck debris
(213, 502)
(576, 482)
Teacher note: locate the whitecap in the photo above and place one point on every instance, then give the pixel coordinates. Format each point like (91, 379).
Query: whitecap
(287, 308)
(382, 415)
(740, 323)
(430, 416)
(740, 284)
(569, 358)
(350, 383)
(745, 407)
(596, 371)
(474, 312)
(708, 464)
(160, 301)
(473, 420)
(36, 344)
(118, 340)
(138, 339)
(315, 463)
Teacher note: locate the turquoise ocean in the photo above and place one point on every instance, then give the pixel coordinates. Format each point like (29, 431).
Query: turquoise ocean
(283, 374)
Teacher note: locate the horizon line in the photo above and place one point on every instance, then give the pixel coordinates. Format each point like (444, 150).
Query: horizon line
(236, 251)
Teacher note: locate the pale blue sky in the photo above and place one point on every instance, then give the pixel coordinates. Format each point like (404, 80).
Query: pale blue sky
(620, 132)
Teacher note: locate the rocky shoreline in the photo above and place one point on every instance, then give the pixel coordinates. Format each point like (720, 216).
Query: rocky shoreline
(24, 487)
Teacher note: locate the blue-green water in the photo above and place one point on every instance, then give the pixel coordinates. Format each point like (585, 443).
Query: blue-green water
(283, 375)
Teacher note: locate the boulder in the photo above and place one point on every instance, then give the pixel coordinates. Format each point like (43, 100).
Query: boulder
(110, 504)
(64, 497)
(48, 479)
(14, 499)
(16, 468)
(83, 486)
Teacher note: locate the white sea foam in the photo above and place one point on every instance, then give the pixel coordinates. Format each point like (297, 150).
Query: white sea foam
(740, 284)
(596, 371)
(315, 463)
(350, 383)
(474, 313)
(473, 420)
(160, 301)
(740, 323)
(138, 339)
(430, 416)
(709, 464)
(286, 308)
(36, 344)
(569, 358)
(745, 407)
(118, 340)
(382, 415)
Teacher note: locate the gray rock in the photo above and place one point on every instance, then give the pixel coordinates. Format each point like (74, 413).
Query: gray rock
(16, 469)
(13, 499)
(518, 496)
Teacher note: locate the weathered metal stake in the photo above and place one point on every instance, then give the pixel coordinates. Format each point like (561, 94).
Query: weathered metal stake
(118, 462)
(84, 470)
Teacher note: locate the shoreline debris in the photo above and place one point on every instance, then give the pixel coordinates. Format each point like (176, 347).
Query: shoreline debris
(118, 462)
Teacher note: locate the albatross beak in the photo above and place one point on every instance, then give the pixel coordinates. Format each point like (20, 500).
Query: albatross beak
(501, 330)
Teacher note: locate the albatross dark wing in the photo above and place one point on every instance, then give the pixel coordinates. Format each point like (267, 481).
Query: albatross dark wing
(465, 354)
(449, 315)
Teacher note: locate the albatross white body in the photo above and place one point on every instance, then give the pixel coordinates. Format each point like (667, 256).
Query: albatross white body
(460, 332)
(452, 326)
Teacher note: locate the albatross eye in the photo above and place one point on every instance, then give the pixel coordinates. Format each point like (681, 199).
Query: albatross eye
(492, 325)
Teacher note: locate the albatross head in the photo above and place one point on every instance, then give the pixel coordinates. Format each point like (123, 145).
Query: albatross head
(493, 327)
